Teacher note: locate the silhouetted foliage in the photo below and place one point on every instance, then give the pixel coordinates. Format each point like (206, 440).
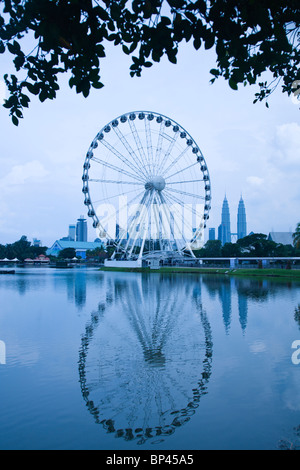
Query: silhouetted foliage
(249, 39)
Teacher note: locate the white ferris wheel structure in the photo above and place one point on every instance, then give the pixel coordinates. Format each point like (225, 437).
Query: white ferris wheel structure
(146, 186)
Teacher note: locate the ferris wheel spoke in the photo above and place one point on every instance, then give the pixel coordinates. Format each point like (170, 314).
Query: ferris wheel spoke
(179, 201)
(120, 156)
(135, 159)
(149, 143)
(175, 161)
(187, 245)
(121, 208)
(115, 168)
(182, 170)
(109, 198)
(138, 144)
(187, 181)
(159, 146)
(168, 153)
(95, 180)
(198, 216)
(185, 193)
(184, 207)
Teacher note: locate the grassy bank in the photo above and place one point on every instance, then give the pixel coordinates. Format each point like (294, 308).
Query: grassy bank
(262, 273)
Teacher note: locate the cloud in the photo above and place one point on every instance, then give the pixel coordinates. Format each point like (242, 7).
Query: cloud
(255, 180)
(287, 143)
(32, 171)
(258, 347)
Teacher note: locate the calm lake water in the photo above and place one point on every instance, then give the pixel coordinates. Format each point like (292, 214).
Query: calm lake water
(105, 360)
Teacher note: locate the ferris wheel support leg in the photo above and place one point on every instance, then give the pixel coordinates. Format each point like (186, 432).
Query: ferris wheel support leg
(157, 222)
(145, 231)
(162, 220)
(163, 203)
(133, 220)
(143, 214)
(138, 220)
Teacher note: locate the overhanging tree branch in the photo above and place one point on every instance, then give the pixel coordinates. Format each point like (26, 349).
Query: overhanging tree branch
(69, 36)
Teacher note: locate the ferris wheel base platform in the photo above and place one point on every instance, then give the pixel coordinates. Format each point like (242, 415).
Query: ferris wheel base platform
(123, 264)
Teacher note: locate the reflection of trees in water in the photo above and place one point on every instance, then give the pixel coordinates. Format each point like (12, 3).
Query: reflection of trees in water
(24, 281)
(297, 315)
(292, 443)
(145, 356)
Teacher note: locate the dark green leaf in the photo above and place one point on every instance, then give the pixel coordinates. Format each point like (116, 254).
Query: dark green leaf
(15, 120)
(233, 84)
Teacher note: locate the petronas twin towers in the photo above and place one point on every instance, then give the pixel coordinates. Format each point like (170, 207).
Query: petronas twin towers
(224, 230)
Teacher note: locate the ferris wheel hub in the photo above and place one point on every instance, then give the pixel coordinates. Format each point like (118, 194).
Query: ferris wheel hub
(157, 182)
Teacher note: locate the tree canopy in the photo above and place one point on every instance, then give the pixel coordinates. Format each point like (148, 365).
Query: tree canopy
(256, 244)
(67, 253)
(249, 38)
(21, 249)
(296, 236)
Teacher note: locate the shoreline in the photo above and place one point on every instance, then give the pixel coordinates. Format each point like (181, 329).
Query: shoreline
(288, 274)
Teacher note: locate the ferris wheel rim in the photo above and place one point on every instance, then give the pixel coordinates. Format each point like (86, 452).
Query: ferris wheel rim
(150, 115)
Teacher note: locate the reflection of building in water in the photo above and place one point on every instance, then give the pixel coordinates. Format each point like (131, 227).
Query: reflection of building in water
(76, 287)
(225, 296)
(243, 310)
(145, 357)
(224, 287)
(246, 289)
(80, 289)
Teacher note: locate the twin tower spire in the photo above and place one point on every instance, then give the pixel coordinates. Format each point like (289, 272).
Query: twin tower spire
(224, 231)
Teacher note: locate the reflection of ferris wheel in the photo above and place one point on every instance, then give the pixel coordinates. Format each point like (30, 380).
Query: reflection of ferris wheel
(147, 186)
(145, 359)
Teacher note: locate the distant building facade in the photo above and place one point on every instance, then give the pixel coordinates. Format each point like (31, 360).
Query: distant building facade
(37, 242)
(72, 232)
(81, 229)
(212, 234)
(224, 232)
(80, 247)
(241, 220)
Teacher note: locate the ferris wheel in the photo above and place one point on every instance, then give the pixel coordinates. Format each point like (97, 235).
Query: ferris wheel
(146, 186)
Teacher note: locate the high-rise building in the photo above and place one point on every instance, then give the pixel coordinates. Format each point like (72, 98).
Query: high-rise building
(241, 220)
(81, 229)
(224, 232)
(37, 242)
(72, 232)
(212, 234)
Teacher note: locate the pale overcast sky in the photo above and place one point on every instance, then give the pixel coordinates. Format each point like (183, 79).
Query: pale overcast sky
(249, 149)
